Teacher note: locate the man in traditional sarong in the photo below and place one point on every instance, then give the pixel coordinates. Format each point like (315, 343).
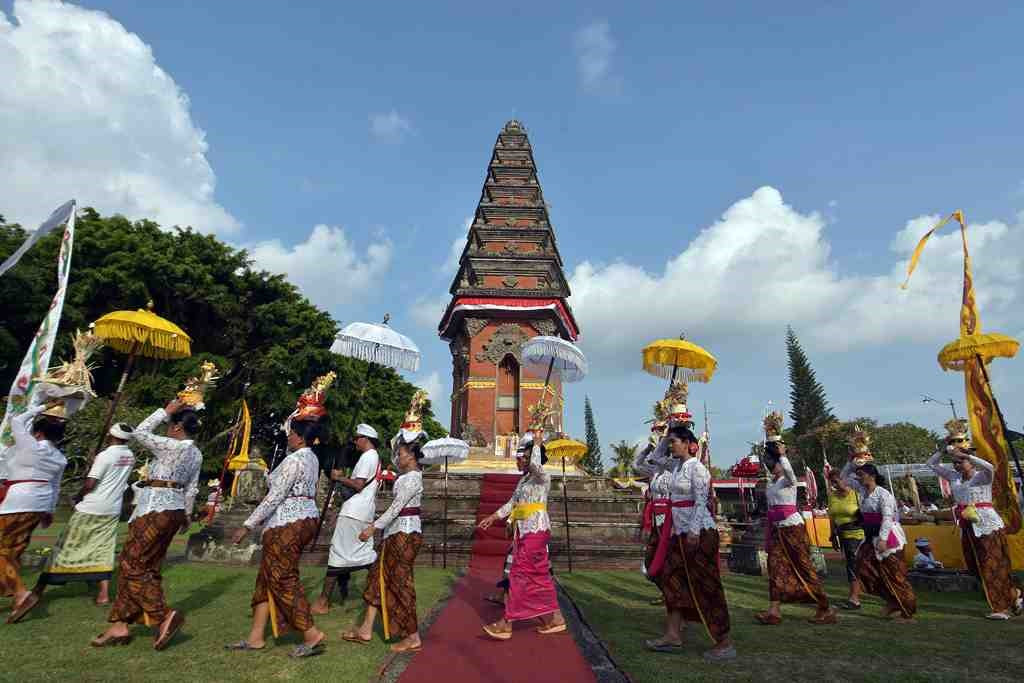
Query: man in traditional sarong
(85, 550)
(348, 553)
(29, 495)
(165, 503)
(531, 592)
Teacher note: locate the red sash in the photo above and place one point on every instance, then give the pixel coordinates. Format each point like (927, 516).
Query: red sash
(8, 483)
(409, 512)
(875, 519)
(663, 506)
(958, 513)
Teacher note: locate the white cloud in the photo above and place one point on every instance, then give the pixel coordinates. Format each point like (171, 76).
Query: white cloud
(764, 265)
(327, 267)
(389, 127)
(435, 388)
(594, 51)
(86, 112)
(451, 263)
(427, 311)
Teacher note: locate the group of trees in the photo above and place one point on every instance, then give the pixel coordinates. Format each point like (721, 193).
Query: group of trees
(267, 340)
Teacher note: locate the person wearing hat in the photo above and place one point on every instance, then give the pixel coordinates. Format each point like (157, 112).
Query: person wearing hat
(85, 549)
(924, 559)
(791, 573)
(28, 496)
(166, 500)
(531, 591)
(348, 553)
(982, 531)
(881, 568)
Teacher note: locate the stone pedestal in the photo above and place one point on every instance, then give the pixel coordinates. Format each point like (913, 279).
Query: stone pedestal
(943, 580)
(748, 556)
(213, 542)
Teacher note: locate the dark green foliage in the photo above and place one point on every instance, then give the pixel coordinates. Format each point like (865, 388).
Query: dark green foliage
(808, 405)
(591, 462)
(267, 339)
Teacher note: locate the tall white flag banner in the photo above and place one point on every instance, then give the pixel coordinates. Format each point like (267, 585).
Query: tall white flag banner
(58, 217)
(37, 360)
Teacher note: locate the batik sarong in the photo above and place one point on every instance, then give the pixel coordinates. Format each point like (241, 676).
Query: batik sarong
(988, 558)
(139, 586)
(84, 551)
(393, 572)
(531, 590)
(279, 573)
(791, 573)
(691, 583)
(886, 578)
(15, 533)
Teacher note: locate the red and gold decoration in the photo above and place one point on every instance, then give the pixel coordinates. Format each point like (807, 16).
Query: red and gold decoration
(859, 442)
(773, 426)
(196, 387)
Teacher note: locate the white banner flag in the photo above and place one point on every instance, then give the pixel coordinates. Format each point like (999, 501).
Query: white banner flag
(37, 360)
(58, 217)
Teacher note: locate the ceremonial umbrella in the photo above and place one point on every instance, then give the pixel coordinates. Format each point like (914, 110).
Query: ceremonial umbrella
(554, 353)
(666, 357)
(566, 449)
(441, 451)
(138, 333)
(377, 344)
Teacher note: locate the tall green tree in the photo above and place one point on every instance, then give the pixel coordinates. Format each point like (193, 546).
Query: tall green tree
(591, 462)
(267, 339)
(808, 406)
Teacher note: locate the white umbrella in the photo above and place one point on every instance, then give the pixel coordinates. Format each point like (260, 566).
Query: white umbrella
(436, 452)
(555, 353)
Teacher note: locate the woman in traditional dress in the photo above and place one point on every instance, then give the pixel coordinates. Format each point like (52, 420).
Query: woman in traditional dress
(683, 560)
(791, 573)
(391, 584)
(531, 592)
(847, 531)
(288, 516)
(881, 569)
(982, 532)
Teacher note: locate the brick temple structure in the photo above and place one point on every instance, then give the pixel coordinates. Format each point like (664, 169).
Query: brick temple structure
(509, 287)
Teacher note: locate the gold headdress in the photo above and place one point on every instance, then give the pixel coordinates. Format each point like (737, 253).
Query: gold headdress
(196, 387)
(68, 386)
(675, 401)
(773, 426)
(956, 430)
(310, 405)
(412, 424)
(860, 445)
(540, 415)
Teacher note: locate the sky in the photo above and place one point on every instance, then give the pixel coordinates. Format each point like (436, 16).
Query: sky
(721, 171)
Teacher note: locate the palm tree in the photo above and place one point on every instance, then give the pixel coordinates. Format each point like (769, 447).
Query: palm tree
(623, 457)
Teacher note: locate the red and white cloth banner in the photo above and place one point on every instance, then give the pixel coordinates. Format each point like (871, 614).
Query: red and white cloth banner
(810, 487)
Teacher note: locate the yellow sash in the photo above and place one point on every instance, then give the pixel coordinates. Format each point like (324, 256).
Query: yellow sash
(524, 510)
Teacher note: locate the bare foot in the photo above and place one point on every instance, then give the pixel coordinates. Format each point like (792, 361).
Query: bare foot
(320, 606)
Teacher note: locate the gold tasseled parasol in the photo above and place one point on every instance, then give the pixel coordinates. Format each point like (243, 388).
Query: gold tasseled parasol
(679, 359)
(566, 449)
(987, 346)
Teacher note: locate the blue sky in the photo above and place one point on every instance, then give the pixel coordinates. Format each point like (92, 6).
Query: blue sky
(653, 126)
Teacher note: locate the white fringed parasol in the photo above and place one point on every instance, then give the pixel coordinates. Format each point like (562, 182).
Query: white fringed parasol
(554, 353)
(377, 343)
(441, 451)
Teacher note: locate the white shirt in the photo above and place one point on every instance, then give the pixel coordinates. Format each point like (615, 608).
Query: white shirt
(533, 487)
(977, 489)
(111, 469)
(922, 561)
(363, 504)
(782, 491)
(408, 494)
(292, 492)
(32, 459)
(882, 502)
(676, 480)
(173, 460)
(654, 463)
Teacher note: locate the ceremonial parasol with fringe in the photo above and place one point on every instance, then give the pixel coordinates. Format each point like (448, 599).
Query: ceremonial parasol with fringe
(377, 344)
(666, 358)
(554, 353)
(138, 333)
(970, 353)
(441, 451)
(573, 451)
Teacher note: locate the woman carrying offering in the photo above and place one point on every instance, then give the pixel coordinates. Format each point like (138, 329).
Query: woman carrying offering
(791, 573)
(982, 532)
(531, 592)
(391, 584)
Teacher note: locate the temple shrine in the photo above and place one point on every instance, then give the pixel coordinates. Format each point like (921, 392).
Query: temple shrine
(510, 286)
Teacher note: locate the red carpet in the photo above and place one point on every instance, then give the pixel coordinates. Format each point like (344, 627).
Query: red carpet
(456, 648)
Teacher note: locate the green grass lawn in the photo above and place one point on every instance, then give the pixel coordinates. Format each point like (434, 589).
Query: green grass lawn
(950, 642)
(53, 642)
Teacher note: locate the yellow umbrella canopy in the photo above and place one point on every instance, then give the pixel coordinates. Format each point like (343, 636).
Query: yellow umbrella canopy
(684, 360)
(566, 449)
(143, 333)
(970, 346)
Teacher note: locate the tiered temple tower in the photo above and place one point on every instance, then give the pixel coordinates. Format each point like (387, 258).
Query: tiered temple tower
(509, 287)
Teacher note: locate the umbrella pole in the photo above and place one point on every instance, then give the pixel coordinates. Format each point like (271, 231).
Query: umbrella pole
(333, 484)
(115, 400)
(675, 370)
(1002, 421)
(444, 523)
(565, 505)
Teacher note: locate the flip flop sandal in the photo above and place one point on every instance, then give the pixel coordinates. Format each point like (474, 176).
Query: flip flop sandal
(548, 630)
(174, 623)
(112, 640)
(767, 619)
(22, 610)
(397, 649)
(303, 650)
(721, 655)
(243, 645)
(353, 637)
(496, 634)
(655, 646)
(998, 616)
(850, 604)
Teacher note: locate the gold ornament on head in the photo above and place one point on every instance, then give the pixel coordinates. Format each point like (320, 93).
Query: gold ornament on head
(956, 430)
(773, 426)
(413, 420)
(310, 405)
(67, 386)
(859, 442)
(196, 387)
(540, 416)
(675, 401)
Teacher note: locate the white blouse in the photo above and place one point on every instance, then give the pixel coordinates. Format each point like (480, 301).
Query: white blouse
(31, 459)
(882, 502)
(408, 494)
(173, 460)
(654, 463)
(292, 492)
(676, 480)
(533, 487)
(977, 489)
(782, 491)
